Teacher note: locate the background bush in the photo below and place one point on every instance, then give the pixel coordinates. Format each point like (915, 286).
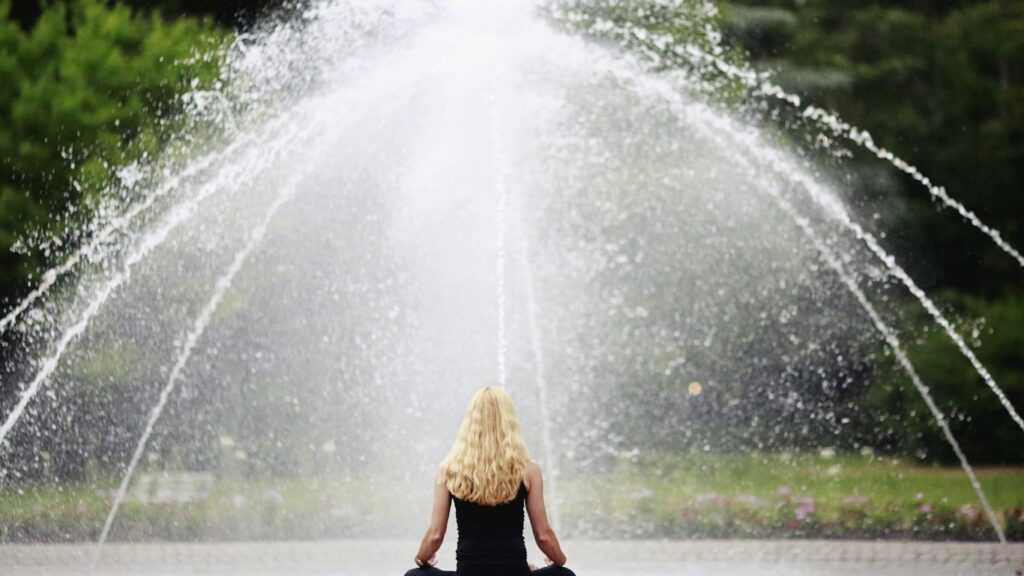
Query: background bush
(87, 88)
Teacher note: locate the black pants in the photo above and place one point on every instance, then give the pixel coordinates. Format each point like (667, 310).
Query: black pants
(551, 570)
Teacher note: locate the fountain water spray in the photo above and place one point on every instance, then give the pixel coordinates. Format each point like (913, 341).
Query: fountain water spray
(449, 141)
(784, 167)
(501, 209)
(540, 370)
(50, 277)
(892, 340)
(720, 126)
(660, 46)
(277, 134)
(311, 143)
(244, 61)
(314, 151)
(245, 167)
(191, 339)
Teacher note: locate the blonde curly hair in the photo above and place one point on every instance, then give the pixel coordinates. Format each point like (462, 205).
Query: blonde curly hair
(488, 461)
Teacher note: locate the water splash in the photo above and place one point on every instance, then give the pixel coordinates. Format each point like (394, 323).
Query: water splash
(772, 158)
(264, 94)
(309, 141)
(255, 88)
(501, 210)
(664, 48)
(533, 315)
(888, 335)
(892, 340)
(121, 222)
(239, 172)
(191, 339)
(716, 128)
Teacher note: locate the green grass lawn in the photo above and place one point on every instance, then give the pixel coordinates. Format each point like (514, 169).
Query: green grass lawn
(830, 480)
(685, 496)
(674, 492)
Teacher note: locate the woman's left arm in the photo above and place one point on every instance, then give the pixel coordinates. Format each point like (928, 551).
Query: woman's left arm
(438, 523)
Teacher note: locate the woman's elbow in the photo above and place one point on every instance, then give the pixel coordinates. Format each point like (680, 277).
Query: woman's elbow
(545, 538)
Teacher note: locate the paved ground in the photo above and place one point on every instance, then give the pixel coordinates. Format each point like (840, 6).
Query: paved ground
(589, 558)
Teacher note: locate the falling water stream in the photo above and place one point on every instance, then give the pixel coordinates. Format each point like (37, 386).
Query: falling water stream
(238, 170)
(890, 336)
(718, 129)
(540, 376)
(663, 47)
(288, 191)
(501, 210)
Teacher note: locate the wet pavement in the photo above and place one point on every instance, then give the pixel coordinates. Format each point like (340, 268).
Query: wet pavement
(587, 558)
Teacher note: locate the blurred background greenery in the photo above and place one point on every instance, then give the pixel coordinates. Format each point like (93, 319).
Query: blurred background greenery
(942, 85)
(91, 85)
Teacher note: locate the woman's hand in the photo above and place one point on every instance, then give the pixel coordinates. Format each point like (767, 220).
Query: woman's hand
(550, 562)
(426, 563)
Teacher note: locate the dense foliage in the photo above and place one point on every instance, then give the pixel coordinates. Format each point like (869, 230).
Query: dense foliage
(86, 89)
(939, 83)
(225, 12)
(976, 418)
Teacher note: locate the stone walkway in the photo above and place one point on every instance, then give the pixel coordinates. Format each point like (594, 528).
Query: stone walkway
(587, 558)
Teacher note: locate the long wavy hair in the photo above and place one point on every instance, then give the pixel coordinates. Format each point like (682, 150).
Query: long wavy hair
(488, 461)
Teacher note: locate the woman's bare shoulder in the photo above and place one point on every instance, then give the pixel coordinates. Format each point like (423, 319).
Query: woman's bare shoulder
(532, 474)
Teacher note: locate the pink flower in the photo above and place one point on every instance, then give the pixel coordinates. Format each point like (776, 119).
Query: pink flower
(749, 500)
(709, 499)
(970, 513)
(804, 507)
(855, 501)
(925, 508)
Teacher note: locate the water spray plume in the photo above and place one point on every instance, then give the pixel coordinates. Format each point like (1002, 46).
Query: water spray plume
(663, 48)
(426, 197)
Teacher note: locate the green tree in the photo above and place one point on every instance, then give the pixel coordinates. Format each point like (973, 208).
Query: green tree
(976, 417)
(89, 88)
(937, 83)
(227, 12)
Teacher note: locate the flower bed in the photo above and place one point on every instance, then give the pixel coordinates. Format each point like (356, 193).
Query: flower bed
(787, 516)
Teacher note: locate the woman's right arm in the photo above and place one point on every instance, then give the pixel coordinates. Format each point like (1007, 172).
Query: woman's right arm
(542, 531)
(438, 522)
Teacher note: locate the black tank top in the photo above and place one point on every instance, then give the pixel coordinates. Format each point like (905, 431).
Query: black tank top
(491, 537)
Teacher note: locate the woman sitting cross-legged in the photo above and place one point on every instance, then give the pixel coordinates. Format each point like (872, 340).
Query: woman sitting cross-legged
(489, 475)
